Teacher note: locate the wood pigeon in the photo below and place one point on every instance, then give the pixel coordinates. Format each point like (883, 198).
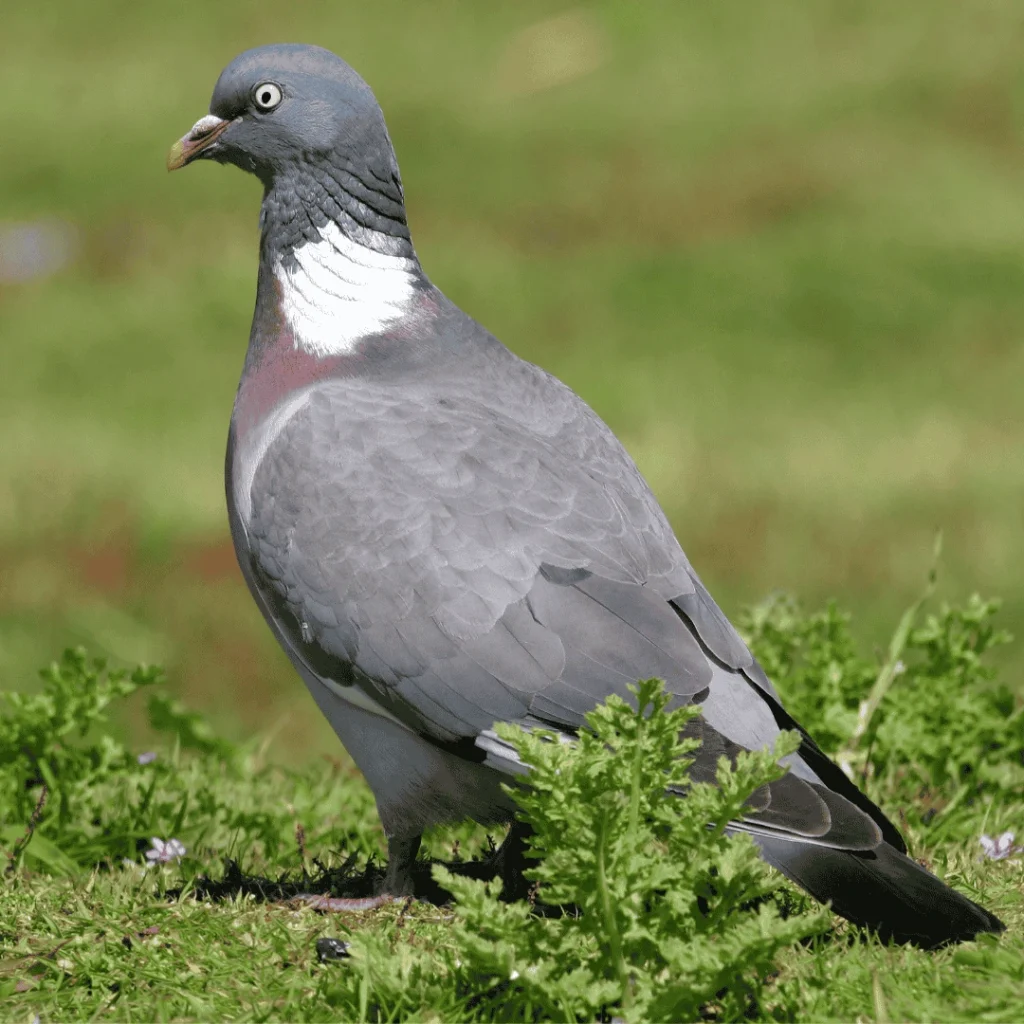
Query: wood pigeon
(442, 536)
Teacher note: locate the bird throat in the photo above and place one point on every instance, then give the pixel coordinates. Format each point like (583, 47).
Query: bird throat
(335, 292)
(341, 270)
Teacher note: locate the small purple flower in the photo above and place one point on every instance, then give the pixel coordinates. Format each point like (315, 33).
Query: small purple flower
(1001, 847)
(164, 852)
(147, 758)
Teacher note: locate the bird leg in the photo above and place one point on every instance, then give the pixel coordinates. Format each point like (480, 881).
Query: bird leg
(510, 861)
(402, 851)
(398, 881)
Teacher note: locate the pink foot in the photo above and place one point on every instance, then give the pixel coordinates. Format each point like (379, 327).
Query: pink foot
(335, 904)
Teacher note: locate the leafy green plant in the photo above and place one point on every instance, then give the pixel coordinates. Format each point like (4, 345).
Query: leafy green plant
(73, 796)
(53, 769)
(927, 729)
(950, 734)
(664, 915)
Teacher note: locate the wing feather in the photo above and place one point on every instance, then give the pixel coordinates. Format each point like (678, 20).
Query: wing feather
(464, 564)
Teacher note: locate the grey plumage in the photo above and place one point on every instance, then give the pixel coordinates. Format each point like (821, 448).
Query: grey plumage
(443, 536)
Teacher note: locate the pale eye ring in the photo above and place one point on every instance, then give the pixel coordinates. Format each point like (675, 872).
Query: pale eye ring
(266, 96)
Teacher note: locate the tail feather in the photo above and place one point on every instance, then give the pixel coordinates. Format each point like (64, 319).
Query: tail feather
(881, 889)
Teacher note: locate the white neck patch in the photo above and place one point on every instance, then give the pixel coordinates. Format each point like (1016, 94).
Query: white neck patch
(339, 291)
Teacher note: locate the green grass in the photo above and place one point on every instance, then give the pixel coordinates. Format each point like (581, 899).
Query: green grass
(250, 960)
(673, 922)
(777, 247)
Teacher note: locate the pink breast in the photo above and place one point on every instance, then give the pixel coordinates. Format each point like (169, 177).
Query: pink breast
(276, 369)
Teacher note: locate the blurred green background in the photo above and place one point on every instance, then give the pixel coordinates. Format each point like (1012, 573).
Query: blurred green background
(778, 247)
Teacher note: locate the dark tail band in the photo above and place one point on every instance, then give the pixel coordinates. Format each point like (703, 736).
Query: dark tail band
(882, 890)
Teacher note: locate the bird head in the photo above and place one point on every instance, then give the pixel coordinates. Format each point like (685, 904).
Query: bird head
(337, 265)
(277, 108)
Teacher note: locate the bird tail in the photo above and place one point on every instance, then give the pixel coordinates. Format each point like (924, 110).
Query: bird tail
(883, 890)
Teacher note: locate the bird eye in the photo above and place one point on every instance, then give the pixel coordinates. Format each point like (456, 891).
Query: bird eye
(267, 96)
